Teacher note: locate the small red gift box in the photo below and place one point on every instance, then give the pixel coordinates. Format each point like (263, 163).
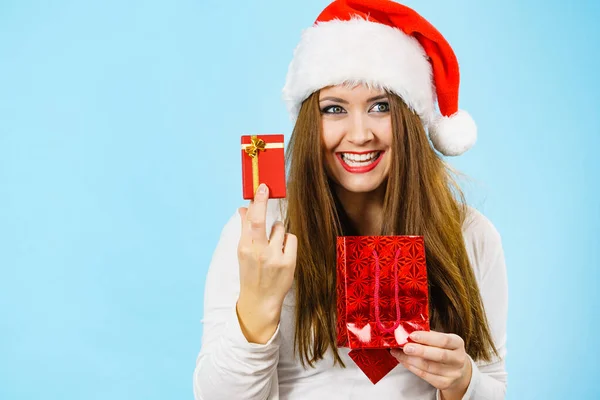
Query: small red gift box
(382, 296)
(263, 162)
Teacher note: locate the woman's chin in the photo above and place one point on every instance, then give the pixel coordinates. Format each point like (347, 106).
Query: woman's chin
(354, 186)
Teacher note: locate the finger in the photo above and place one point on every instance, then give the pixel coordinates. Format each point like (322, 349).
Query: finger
(438, 381)
(244, 216)
(242, 211)
(437, 339)
(246, 238)
(277, 236)
(257, 215)
(436, 354)
(431, 367)
(290, 247)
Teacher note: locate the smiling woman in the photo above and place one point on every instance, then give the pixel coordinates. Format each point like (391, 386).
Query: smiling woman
(357, 136)
(360, 164)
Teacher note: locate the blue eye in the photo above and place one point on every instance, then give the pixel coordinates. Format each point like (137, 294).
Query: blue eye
(333, 110)
(381, 107)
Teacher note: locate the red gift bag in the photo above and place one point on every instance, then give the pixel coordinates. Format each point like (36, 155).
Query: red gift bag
(382, 296)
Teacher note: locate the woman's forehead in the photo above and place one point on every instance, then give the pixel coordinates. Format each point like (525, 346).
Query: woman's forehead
(352, 91)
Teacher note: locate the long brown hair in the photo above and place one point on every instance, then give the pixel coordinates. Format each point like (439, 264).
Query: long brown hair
(421, 198)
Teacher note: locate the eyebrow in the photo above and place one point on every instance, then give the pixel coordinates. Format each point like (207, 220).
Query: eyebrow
(338, 100)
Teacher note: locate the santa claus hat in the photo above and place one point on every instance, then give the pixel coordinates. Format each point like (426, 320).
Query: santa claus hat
(384, 44)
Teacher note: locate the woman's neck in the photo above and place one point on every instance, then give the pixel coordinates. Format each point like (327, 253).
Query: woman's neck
(364, 210)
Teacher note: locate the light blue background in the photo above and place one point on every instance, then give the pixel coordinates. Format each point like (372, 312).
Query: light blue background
(119, 165)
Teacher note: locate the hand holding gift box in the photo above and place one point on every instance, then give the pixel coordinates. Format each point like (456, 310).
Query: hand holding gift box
(263, 161)
(382, 296)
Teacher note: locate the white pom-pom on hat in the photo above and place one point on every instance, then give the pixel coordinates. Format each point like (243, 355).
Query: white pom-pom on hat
(453, 135)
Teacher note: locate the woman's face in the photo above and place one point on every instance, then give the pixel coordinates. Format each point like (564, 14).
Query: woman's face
(357, 136)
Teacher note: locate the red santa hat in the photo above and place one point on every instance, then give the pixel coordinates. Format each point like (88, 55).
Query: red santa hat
(384, 44)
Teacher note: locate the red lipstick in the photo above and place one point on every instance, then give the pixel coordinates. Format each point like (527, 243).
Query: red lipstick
(362, 169)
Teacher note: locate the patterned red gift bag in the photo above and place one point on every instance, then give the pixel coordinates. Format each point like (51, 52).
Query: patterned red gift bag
(382, 296)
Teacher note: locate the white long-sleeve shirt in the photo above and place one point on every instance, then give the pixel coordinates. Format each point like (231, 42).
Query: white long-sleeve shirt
(229, 367)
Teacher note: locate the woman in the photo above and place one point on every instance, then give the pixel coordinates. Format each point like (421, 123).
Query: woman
(362, 87)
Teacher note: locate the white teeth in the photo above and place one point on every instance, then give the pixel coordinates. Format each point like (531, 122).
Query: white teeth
(360, 157)
(357, 160)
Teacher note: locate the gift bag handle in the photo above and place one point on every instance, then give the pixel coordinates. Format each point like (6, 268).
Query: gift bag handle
(396, 294)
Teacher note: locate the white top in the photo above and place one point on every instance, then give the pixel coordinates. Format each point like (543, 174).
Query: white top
(228, 367)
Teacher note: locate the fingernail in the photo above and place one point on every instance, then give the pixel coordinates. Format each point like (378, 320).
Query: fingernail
(262, 188)
(409, 349)
(415, 336)
(397, 352)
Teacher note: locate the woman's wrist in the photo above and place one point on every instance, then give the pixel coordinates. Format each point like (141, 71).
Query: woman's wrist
(458, 392)
(258, 319)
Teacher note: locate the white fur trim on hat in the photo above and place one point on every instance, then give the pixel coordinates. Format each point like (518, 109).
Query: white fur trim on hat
(453, 135)
(358, 51)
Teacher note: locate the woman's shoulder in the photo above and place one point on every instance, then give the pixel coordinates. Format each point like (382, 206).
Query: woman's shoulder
(482, 240)
(477, 225)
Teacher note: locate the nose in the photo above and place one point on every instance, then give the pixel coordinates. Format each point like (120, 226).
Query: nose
(359, 132)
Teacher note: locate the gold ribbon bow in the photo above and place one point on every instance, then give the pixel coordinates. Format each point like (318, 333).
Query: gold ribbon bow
(255, 146)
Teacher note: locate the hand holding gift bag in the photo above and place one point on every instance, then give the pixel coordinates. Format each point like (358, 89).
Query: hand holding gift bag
(382, 296)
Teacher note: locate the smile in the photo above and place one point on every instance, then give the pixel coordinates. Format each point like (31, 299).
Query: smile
(359, 163)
